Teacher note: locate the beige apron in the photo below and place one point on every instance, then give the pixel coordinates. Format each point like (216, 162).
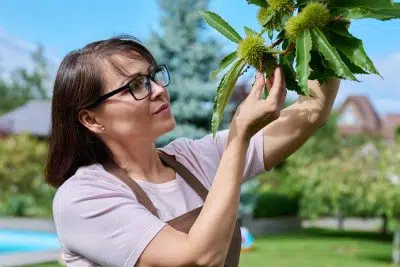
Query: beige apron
(185, 221)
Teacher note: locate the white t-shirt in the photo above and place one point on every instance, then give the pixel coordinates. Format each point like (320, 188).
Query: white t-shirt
(100, 222)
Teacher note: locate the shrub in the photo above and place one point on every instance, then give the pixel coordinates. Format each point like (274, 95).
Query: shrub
(23, 191)
(271, 204)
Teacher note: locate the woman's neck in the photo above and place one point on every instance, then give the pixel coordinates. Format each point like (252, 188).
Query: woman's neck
(141, 161)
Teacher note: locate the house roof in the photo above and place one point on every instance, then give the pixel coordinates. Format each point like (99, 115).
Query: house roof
(33, 117)
(392, 119)
(391, 122)
(370, 117)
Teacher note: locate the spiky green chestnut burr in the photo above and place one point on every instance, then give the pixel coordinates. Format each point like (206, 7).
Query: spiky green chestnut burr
(262, 15)
(281, 7)
(314, 15)
(252, 50)
(293, 26)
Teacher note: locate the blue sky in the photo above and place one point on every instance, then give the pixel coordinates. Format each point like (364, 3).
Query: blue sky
(62, 26)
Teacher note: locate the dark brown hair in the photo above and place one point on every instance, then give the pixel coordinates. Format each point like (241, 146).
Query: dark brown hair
(79, 81)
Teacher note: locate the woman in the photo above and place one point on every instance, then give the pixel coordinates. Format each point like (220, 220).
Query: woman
(122, 202)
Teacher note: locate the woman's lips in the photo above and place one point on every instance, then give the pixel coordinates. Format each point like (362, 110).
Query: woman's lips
(163, 109)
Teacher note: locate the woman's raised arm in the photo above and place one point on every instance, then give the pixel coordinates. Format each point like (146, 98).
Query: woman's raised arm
(208, 240)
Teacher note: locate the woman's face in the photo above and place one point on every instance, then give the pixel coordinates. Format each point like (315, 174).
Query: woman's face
(125, 118)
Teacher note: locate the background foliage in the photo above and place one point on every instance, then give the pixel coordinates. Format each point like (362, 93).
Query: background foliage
(331, 176)
(23, 191)
(24, 85)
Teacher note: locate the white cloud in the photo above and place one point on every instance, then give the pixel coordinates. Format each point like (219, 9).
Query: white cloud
(16, 53)
(383, 93)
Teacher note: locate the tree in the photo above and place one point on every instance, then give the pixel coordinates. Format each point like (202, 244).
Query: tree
(191, 56)
(23, 191)
(25, 85)
(358, 176)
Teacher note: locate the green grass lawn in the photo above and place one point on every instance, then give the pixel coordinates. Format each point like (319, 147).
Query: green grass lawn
(320, 248)
(317, 248)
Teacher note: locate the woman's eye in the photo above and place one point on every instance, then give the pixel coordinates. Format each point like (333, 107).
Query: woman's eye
(137, 83)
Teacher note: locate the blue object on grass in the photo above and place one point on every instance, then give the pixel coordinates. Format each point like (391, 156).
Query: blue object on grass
(247, 239)
(12, 240)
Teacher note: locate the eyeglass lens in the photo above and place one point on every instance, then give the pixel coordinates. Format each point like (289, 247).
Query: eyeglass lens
(138, 85)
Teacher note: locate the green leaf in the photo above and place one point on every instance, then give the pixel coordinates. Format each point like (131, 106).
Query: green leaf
(262, 32)
(331, 55)
(320, 67)
(268, 19)
(232, 78)
(340, 28)
(302, 3)
(353, 67)
(285, 43)
(291, 55)
(218, 23)
(351, 47)
(225, 62)
(375, 4)
(216, 118)
(290, 74)
(224, 92)
(284, 19)
(249, 31)
(303, 57)
(392, 12)
(270, 34)
(281, 34)
(260, 3)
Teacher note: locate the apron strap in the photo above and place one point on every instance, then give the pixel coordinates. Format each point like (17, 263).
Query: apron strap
(141, 196)
(189, 178)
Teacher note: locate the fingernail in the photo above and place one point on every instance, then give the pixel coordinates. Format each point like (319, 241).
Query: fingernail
(258, 75)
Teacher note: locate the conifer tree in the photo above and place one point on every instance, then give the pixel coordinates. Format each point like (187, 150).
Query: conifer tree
(181, 43)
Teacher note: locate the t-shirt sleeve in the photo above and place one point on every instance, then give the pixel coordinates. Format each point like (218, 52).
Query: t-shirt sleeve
(102, 223)
(206, 153)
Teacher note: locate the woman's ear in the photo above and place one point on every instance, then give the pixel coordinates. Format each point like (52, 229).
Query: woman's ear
(90, 121)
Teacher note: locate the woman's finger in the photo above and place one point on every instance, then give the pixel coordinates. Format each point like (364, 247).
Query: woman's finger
(258, 86)
(284, 94)
(269, 83)
(277, 86)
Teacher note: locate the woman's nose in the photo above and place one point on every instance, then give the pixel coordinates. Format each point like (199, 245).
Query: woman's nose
(156, 89)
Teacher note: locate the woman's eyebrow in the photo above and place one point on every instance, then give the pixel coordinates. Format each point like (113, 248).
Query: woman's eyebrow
(149, 70)
(136, 74)
(128, 78)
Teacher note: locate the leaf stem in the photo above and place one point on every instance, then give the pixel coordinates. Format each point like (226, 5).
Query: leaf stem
(277, 42)
(244, 70)
(278, 52)
(262, 32)
(338, 18)
(288, 49)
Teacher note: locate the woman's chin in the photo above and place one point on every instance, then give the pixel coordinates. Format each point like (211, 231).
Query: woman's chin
(171, 124)
(167, 126)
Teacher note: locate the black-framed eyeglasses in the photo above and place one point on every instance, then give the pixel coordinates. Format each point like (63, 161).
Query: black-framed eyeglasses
(140, 86)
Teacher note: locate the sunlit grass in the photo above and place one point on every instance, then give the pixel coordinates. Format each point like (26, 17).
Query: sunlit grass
(316, 248)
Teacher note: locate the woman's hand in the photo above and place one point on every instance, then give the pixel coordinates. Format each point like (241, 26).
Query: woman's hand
(255, 113)
(298, 121)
